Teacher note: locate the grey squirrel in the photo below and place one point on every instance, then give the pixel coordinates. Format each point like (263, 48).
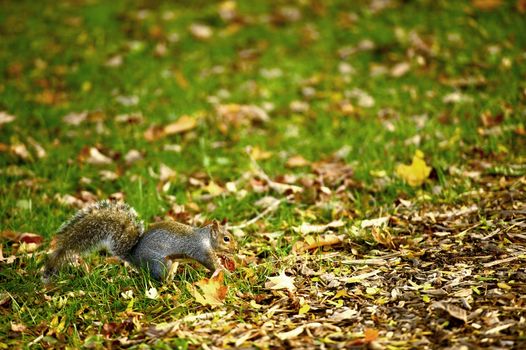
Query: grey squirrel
(117, 227)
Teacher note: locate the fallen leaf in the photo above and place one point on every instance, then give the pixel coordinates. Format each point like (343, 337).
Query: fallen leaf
(209, 291)
(453, 310)
(201, 31)
(347, 314)
(290, 334)
(416, 173)
(30, 238)
(166, 173)
(306, 228)
(378, 222)
(370, 334)
(257, 153)
(21, 151)
(184, 123)
(132, 156)
(232, 116)
(313, 242)
(152, 293)
(108, 175)
(297, 162)
(486, 5)
(282, 281)
(6, 118)
(97, 158)
(213, 189)
(400, 69)
(18, 327)
(75, 118)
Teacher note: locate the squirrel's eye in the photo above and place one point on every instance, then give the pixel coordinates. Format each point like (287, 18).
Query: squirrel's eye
(226, 239)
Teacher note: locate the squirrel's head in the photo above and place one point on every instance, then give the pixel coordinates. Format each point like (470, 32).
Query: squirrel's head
(222, 240)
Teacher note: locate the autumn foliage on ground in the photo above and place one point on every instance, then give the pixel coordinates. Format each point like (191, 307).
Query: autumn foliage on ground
(369, 156)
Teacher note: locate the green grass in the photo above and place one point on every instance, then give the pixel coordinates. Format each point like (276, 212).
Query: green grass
(52, 61)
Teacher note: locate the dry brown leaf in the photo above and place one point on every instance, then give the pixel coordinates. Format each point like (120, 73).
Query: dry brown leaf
(28, 237)
(214, 189)
(211, 291)
(184, 123)
(232, 116)
(453, 310)
(97, 158)
(21, 151)
(18, 327)
(132, 156)
(75, 118)
(201, 31)
(166, 173)
(69, 200)
(282, 281)
(313, 242)
(154, 133)
(108, 175)
(306, 228)
(400, 69)
(6, 117)
(258, 154)
(370, 334)
(486, 5)
(383, 236)
(296, 162)
(291, 334)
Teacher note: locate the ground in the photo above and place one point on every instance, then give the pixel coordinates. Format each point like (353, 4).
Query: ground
(369, 156)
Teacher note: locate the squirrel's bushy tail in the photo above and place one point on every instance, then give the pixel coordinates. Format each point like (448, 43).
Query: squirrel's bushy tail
(113, 225)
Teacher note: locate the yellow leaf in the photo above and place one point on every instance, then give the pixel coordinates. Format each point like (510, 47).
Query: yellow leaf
(297, 162)
(214, 189)
(258, 154)
(304, 309)
(182, 124)
(416, 173)
(503, 285)
(210, 291)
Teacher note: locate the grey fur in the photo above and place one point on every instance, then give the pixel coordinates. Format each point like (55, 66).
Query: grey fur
(117, 227)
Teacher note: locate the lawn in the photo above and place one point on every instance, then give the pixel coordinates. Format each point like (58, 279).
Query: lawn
(369, 156)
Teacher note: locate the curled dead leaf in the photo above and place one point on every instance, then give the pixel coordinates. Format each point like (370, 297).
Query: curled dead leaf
(313, 242)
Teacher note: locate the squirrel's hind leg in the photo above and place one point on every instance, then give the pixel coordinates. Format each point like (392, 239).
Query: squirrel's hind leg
(157, 269)
(53, 263)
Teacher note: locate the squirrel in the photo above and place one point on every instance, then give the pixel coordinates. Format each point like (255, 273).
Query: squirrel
(116, 227)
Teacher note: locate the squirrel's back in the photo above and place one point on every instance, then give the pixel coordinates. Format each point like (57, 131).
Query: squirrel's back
(113, 225)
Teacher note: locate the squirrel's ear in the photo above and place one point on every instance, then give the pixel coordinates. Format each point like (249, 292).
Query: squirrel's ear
(214, 228)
